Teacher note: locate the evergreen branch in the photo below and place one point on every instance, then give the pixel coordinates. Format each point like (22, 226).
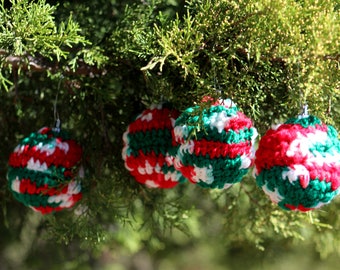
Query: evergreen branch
(40, 64)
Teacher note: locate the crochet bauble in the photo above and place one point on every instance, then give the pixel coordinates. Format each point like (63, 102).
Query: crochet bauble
(298, 164)
(215, 145)
(147, 147)
(42, 170)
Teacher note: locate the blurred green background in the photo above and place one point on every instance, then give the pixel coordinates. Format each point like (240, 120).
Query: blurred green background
(101, 63)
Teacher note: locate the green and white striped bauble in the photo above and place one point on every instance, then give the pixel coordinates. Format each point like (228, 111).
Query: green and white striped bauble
(42, 170)
(215, 145)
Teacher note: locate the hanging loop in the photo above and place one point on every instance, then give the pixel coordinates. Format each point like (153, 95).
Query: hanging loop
(57, 122)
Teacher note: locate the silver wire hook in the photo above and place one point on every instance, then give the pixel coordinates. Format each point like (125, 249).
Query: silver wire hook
(304, 112)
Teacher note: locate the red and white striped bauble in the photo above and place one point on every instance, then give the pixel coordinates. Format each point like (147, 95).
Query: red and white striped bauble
(148, 146)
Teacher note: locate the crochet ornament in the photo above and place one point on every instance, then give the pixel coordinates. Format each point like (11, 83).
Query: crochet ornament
(42, 170)
(147, 148)
(298, 164)
(220, 152)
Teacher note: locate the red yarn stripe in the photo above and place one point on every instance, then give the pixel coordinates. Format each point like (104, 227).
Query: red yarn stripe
(46, 130)
(324, 172)
(239, 122)
(132, 163)
(274, 145)
(158, 178)
(26, 186)
(188, 172)
(160, 120)
(47, 209)
(58, 158)
(299, 207)
(216, 149)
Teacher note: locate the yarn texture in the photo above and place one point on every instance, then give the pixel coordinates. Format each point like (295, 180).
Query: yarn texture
(298, 164)
(42, 169)
(147, 147)
(215, 147)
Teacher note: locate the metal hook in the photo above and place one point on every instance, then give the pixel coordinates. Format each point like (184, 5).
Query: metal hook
(57, 125)
(304, 113)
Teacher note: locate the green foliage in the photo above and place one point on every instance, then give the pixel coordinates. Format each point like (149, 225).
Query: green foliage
(102, 62)
(257, 53)
(29, 29)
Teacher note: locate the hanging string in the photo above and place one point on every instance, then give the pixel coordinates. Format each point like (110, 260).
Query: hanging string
(217, 85)
(303, 101)
(329, 108)
(57, 122)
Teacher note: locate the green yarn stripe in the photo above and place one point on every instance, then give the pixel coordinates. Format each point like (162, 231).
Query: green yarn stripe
(36, 138)
(224, 168)
(221, 181)
(192, 118)
(196, 116)
(194, 113)
(155, 140)
(310, 196)
(34, 200)
(331, 146)
(166, 169)
(292, 193)
(229, 137)
(52, 179)
(205, 161)
(305, 122)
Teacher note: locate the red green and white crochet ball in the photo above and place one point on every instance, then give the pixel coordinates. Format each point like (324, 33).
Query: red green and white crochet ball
(42, 170)
(298, 164)
(220, 152)
(147, 148)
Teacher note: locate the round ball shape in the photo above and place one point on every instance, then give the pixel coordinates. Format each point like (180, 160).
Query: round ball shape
(42, 169)
(215, 144)
(147, 148)
(297, 164)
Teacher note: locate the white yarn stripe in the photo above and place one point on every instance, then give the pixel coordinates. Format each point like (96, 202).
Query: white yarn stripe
(146, 117)
(15, 186)
(125, 148)
(293, 174)
(273, 195)
(228, 103)
(203, 174)
(220, 120)
(151, 184)
(245, 162)
(148, 169)
(186, 147)
(172, 176)
(37, 166)
(302, 144)
(180, 132)
(65, 200)
(227, 185)
(47, 148)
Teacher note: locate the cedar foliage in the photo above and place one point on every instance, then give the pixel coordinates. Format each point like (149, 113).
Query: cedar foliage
(100, 63)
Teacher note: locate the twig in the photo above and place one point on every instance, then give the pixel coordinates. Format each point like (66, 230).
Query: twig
(41, 64)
